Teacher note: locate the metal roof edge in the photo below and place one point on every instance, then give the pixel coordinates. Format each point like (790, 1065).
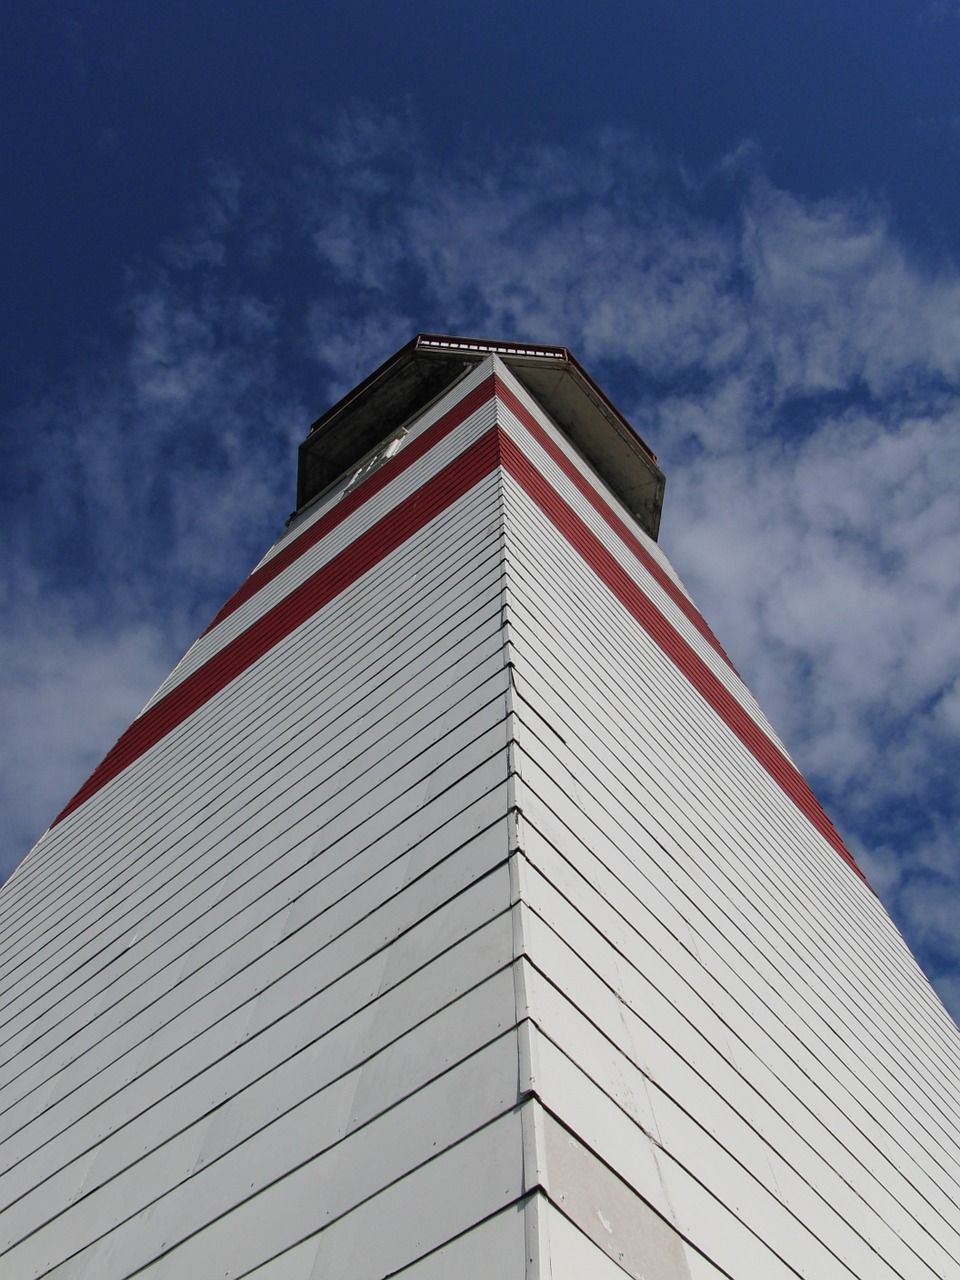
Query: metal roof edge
(429, 364)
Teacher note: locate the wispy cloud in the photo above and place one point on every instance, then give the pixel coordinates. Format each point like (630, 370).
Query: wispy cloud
(797, 370)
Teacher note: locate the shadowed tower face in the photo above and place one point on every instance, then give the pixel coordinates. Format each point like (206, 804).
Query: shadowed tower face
(453, 910)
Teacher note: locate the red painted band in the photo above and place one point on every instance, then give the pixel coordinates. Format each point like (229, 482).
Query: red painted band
(493, 449)
(460, 475)
(349, 503)
(692, 666)
(619, 527)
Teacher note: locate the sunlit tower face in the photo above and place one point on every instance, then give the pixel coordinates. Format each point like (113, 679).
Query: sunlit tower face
(452, 908)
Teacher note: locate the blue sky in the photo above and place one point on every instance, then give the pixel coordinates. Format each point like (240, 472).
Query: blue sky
(743, 218)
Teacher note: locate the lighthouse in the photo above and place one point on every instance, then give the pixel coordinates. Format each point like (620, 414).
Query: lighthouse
(453, 910)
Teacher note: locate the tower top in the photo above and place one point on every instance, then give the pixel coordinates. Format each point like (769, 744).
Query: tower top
(430, 364)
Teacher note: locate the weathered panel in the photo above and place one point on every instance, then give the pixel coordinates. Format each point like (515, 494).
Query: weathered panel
(622, 1227)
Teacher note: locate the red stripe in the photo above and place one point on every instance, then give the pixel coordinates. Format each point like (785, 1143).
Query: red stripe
(302, 603)
(714, 692)
(470, 403)
(622, 530)
(467, 469)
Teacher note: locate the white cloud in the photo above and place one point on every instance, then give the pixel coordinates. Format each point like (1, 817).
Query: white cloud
(144, 488)
(68, 692)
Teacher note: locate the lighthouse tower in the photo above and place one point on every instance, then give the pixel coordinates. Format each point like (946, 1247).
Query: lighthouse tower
(452, 910)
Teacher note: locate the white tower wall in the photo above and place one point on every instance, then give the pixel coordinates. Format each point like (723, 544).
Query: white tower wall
(452, 909)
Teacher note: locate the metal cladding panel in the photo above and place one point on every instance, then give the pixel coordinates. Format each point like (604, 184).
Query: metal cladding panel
(452, 908)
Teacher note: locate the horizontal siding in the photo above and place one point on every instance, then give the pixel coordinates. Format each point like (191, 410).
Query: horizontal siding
(497, 1247)
(307, 553)
(705, 1013)
(359, 665)
(594, 1222)
(617, 655)
(795, 990)
(306, 1152)
(473, 1100)
(257, 892)
(709, 688)
(209, 1032)
(632, 547)
(742, 918)
(745, 1232)
(284, 1031)
(693, 1115)
(290, 1057)
(745, 899)
(287, 938)
(298, 607)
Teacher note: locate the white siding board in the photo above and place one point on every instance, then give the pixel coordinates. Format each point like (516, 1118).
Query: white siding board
(469, 1098)
(179, 944)
(466, 665)
(344, 535)
(329, 644)
(182, 1197)
(751, 1042)
(464, 1185)
(753, 1090)
(361, 1016)
(301, 709)
(725, 1237)
(621, 552)
(694, 1121)
(701, 1268)
(587, 752)
(494, 1248)
(294, 1264)
(181, 995)
(279, 1033)
(768, 1046)
(937, 1047)
(241, 1006)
